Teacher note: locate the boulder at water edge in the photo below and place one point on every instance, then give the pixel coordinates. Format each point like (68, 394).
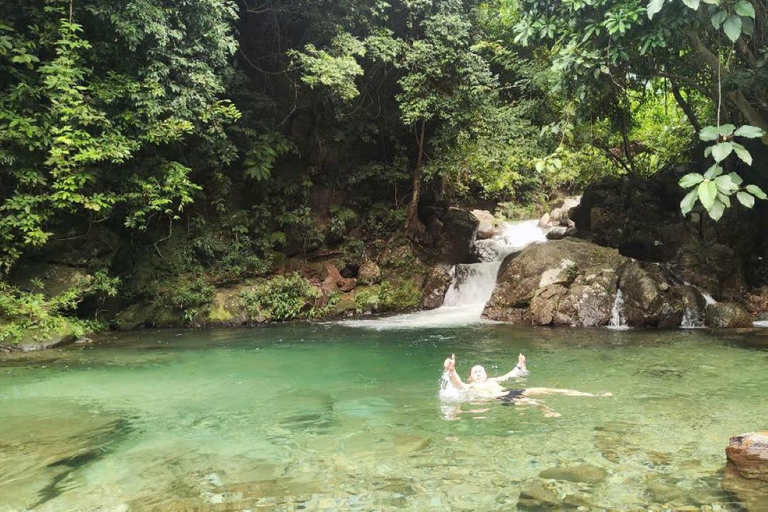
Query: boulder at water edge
(727, 314)
(488, 225)
(746, 472)
(575, 282)
(435, 285)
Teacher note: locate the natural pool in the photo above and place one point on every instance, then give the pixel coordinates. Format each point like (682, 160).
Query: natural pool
(327, 417)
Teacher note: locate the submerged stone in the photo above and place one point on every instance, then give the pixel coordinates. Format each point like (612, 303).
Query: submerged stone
(586, 473)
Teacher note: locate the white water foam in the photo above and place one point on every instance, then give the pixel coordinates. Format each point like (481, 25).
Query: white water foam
(618, 322)
(760, 323)
(472, 284)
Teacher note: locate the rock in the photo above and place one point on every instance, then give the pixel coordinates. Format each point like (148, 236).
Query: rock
(488, 225)
(579, 473)
(649, 298)
(560, 216)
(563, 282)
(333, 282)
(746, 472)
(544, 221)
(227, 307)
(369, 273)
(38, 339)
(453, 231)
(556, 233)
(727, 314)
(435, 285)
(537, 494)
(55, 278)
(749, 452)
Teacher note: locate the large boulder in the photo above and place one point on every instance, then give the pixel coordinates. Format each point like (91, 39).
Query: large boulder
(453, 231)
(563, 282)
(575, 282)
(435, 285)
(369, 273)
(746, 472)
(488, 225)
(727, 314)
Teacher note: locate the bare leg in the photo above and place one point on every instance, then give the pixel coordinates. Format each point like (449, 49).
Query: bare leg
(555, 391)
(548, 412)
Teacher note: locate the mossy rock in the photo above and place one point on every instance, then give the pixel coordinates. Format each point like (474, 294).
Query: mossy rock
(40, 339)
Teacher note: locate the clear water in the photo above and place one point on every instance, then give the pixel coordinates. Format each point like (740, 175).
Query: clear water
(325, 417)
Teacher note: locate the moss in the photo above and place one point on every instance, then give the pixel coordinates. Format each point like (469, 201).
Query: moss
(220, 314)
(393, 295)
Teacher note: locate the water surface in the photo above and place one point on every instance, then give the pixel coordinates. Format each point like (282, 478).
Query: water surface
(327, 417)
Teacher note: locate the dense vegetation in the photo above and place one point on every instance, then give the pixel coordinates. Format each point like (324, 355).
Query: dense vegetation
(181, 146)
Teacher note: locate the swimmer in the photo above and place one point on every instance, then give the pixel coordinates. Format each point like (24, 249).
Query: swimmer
(479, 385)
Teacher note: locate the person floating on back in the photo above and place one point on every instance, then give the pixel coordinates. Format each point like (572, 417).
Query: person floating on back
(480, 386)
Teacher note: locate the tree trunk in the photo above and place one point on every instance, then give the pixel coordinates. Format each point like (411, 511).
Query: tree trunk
(686, 107)
(414, 227)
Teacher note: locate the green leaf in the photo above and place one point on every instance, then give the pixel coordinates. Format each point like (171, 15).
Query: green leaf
(744, 8)
(718, 18)
(709, 133)
(747, 200)
(750, 132)
(716, 211)
(725, 185)
(732, 27)
(693, 4)
(756, 191)
(654, 6)
(713, 172)
(735, 178)
(712, 2)
(724, 199)
(721, 150)
(742, 153)
(707, 151)
(725, 130)
(690, 180)
(686, 205)
(707, 193)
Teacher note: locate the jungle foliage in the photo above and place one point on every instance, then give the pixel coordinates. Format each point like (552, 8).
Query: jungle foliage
(213, 139)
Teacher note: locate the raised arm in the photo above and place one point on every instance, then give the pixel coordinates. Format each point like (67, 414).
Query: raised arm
(518, 371)
(450, 367)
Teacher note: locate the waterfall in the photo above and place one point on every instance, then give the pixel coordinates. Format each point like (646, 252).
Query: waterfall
(472, 283)
(618, 322)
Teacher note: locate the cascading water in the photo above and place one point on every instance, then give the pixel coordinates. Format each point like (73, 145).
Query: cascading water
(472, 284)
(618, 322)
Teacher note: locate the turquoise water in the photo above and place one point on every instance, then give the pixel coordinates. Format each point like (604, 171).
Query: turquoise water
(325, 417)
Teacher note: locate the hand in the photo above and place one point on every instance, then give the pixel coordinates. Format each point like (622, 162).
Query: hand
(450, 364)
(521, 361)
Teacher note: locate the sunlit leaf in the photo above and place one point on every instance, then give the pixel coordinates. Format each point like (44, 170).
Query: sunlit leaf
(716, 211)
(747, 200)
(686, 205)
(742, 153)
(756, 191)
(735, 178)
(707, 193)
(721, 151)
(709, 133)
(743, 8)
(713, 172)
(654, 6)
(725, 130)
(690, 180)
(732, 27)
(750, 132)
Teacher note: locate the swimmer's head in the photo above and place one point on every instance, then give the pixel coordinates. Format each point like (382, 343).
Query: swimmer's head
(477, 374)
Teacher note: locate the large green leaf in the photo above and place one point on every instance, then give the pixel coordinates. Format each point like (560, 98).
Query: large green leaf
(690, 180)
(707, 193)
(732, 27)
(721, 150)
(743, 8)
(750, 132)
(747, 200)
(725, 185)
(709, 133)
(726, 200)
(756, 191)
(742, 153)
(654, 6)
(686, 205)
(736, 178)
(725, 130)
(713, 172)
(718, 18)
(693, 4)
(716, 211)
